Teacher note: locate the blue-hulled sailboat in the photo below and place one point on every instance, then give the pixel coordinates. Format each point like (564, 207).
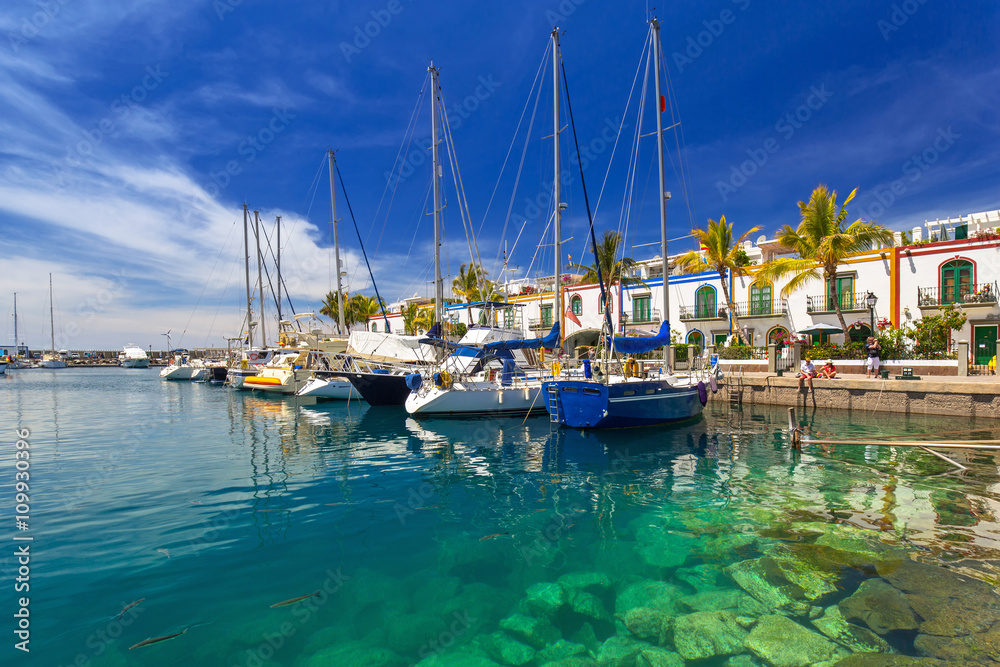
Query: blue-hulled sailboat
(628, 397)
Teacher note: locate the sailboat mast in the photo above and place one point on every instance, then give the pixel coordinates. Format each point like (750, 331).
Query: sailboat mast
(278, 263)
(246, 264)
(341, 328)
(16, 343)
(260, 277)
(556, 187)
(52, 320)
(438, 285)
(664, 195)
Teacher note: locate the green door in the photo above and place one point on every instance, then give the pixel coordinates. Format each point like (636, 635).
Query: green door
(985, 340)
(845, 293)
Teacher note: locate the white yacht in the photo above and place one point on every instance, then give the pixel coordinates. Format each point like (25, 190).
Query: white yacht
(183, 368)
(133, 356)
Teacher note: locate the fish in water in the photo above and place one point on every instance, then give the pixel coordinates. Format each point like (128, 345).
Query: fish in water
(294, 600)
(129, 606)
(490, 537)
(157, 640)
(165, 552)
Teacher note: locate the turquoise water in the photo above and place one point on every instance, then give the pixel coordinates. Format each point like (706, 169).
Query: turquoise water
(424, 539)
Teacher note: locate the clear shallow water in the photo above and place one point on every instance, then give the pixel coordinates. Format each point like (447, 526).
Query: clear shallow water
(422, 536)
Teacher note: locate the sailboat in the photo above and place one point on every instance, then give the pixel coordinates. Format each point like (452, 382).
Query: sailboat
(20, 357)
(490, 379)
(52, 359)
(619, 394)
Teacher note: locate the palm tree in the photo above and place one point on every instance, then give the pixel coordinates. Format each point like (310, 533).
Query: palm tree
(823, 243)
(361, 307)
(721, 254)
(612, 269)
(473, 285)
(331, 307)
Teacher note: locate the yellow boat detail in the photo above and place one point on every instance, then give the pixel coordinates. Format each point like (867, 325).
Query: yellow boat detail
(256, 379)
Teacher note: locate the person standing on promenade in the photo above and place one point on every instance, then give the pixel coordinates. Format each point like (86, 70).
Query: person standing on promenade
(873, 350)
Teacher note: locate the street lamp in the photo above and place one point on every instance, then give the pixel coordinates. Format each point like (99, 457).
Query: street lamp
(871, 300)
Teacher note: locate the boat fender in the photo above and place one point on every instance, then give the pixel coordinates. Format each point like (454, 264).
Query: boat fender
(631, 368)
(714, 384)
(556, 368)
(702, 393)
(587, 372)
(244, 364)
(413, 381)
(442, 380)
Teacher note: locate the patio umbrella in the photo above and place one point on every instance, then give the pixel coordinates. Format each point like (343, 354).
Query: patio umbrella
(820, 328)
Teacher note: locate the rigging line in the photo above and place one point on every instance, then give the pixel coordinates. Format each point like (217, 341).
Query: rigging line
(675, 120)
(586, 199)
(618, 135)
(314, 189)
(210, 274)
(350, 210)
(510, 149)
(407, 141)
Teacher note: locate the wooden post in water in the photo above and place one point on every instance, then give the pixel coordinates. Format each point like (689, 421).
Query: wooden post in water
(793, 430)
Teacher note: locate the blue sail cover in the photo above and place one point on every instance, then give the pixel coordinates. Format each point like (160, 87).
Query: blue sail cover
(635, 344)
(551, 340)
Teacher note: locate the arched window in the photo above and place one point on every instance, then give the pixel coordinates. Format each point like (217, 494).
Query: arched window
(705, 304)
(387, 328)
(611, 304)
(957, 278)
(696, 338)
(760, 298)
(777, 333)
(859, 333)
(374, 327)
(576, 305)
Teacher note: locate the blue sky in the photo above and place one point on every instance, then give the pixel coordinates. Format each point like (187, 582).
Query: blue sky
(133, 132)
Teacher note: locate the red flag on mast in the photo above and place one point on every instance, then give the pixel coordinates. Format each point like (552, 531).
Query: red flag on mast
(570, 315)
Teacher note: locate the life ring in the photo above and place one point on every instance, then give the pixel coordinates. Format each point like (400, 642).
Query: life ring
(252, 356)
(556, 368)
(631, 368)
(702, 393)
(442, 380)
(714, 384)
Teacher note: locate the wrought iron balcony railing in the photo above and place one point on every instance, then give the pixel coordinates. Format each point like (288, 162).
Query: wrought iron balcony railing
(761, 308)
(849, 302)
(965, 294)
(703, 313)
(642, 317)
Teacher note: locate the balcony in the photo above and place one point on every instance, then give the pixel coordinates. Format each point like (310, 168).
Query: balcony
(536, 323)
(974, 294)
(642, 317)
(689, 313)
(849, 303)
(751, 309)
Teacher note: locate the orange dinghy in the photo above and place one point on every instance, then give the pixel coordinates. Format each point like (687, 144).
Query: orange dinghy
(258, 380)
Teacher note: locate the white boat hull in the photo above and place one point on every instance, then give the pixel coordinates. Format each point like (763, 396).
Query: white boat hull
(54, 363)
(178, 373)
(338, 388)
(3, 368)
(134, 363)
(477, 398)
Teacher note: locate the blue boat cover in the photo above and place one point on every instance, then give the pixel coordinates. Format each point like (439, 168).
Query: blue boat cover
(637, 344)
(551, 340)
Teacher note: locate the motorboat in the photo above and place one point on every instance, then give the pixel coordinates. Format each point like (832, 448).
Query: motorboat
(133, 356)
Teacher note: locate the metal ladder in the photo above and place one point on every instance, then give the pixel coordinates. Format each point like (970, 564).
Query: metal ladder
(553, 403)
(735, 389)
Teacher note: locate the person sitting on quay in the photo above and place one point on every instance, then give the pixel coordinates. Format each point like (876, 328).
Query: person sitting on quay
(808, 372)
(829, 371)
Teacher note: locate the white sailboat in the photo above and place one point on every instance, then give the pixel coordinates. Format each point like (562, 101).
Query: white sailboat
(52, 359)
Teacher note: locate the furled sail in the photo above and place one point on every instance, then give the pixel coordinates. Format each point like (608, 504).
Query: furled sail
(550, 340)
(635, 344)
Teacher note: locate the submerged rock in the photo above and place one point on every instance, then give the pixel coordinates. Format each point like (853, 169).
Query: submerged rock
(886, 660)
(505, 650)
(560, 650)
(701, 578)
(765, 580)
(545, 598)
(530, 630)
(406, 634)
(646, 623)
(712, 600)
(950, 604)
(592, 582)
(708, 634)
(879, 606)
(589, 605)
(781, 642)
(981, 648)
(662, 548)
(356, 653)
(648, 593)
(466, 656)
(858, 639)
(658, 657)
(619, 652)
